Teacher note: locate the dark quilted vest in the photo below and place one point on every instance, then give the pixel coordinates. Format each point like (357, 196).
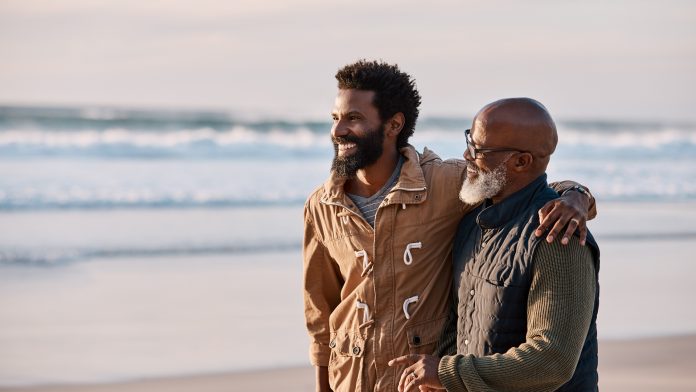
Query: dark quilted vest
(493, 252)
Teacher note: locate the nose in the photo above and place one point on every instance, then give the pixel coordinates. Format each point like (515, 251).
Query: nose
(467, 155)
(338, 129)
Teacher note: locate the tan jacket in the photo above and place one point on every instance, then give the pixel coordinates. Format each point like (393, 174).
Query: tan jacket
(372, 295)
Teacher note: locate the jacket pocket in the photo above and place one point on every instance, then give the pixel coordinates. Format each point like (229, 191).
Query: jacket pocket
(346, 361)
(423, 337)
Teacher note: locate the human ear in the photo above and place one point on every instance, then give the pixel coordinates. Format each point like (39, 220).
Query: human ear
(523, 161)
(395, 124)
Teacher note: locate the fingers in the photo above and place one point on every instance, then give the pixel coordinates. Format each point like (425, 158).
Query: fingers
(404, 379)
(558, 226)
(573, 224)
(582, 232)
(408, 377)
(404, 360)
(421, 371)
(543, 212)
(558, 213)
(407, 360)
(552, 216)
(413, 383)
(576, 205)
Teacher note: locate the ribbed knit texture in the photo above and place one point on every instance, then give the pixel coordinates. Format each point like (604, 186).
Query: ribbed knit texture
(559, 310)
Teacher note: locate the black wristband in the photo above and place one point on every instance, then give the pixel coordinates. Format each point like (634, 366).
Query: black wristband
(578, 188)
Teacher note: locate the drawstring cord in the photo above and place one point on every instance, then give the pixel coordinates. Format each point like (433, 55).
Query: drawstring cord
(367, 264)
(407, 302)
(408, 258)
(366, 310)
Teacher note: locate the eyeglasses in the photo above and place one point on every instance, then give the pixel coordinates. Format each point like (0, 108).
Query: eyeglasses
(479, 153)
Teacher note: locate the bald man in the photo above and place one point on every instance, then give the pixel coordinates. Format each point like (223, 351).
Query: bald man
(526, 308)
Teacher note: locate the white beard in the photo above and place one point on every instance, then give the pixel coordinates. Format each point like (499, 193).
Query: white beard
(484, 186)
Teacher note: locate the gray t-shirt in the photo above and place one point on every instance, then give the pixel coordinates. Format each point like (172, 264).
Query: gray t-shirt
(368, 205)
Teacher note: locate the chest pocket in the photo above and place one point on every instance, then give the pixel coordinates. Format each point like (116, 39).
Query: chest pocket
(423, 337)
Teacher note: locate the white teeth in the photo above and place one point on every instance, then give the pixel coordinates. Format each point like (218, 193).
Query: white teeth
(346, 146)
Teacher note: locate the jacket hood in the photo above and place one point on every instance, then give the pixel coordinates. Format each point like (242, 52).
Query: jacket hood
(427, 156)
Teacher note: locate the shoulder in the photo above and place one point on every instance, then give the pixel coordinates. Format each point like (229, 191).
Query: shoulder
(431, 162)
(313, 202)
(571, 259)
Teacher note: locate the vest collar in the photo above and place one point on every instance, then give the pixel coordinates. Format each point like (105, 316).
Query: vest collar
(496, 215)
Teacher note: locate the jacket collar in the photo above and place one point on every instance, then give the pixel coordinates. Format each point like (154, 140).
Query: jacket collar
(410, 188)
(496, 215)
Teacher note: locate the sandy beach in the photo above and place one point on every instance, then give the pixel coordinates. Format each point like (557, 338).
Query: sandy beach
(656, 364)
(206, 319)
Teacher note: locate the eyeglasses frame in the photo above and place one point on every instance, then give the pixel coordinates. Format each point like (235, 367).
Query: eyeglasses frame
(479, 153)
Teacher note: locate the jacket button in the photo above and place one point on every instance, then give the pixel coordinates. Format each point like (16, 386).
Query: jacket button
(332, 344)
(466, 342)
(472, 292)
(416, 340)
(356, 350)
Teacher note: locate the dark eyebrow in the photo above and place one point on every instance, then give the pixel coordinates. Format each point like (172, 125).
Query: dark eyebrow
(350, 113)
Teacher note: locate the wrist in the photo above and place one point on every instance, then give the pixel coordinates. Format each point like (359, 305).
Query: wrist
(580, 189)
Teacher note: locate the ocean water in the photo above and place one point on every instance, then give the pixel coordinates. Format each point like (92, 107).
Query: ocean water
(100, 159)
(141, 243)
(107, 158)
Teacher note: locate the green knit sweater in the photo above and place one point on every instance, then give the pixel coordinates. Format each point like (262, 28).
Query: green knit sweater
(559, 311)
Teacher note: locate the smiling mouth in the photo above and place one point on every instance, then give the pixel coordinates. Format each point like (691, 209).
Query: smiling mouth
(346, 147)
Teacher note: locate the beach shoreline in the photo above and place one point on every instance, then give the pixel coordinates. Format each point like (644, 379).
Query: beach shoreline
(157, 306)
(658, 363)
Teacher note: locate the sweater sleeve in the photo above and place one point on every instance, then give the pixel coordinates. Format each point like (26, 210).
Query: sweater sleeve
(559, 311)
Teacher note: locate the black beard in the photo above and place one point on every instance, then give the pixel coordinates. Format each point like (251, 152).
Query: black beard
(368, 150)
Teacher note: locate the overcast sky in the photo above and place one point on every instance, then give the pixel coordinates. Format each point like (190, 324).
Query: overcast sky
(600, 59)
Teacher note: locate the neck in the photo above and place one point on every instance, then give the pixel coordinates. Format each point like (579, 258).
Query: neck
(371, 179)
(513, 185)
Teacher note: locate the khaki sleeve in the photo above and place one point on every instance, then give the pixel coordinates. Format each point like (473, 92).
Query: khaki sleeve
(559, 311)
(322, 293)
(561, 186)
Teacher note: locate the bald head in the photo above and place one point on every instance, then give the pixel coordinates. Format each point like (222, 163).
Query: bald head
(520, 123)
(511, 141)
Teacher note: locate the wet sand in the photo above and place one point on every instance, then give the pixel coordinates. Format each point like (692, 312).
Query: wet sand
(654, 364)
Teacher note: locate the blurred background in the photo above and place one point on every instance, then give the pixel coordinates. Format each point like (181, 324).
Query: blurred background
(155, 157)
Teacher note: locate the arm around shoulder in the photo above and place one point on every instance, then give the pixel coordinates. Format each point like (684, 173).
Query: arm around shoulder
(568, 185)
